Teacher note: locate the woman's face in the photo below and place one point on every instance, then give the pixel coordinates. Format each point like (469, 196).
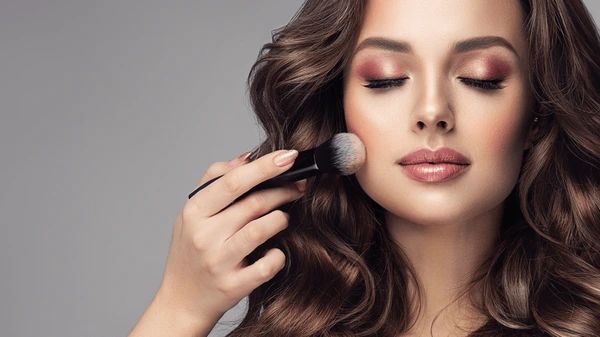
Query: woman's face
(413, 84)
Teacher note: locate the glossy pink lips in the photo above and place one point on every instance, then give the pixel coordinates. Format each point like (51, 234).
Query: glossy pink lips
(434, 172)
(434, 166)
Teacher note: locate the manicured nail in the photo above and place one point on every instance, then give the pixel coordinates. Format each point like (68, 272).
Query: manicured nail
(239, 159)
(301, 185)
(244, 156)
(285, 158)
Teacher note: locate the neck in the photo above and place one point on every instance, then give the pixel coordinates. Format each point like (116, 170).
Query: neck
(445, 257)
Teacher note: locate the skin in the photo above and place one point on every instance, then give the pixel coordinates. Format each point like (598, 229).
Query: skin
(447, 228)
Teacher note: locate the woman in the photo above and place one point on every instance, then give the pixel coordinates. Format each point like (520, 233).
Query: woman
(508, 246)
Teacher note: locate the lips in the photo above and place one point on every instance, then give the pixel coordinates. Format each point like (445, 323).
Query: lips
(437, 166)
(442, 155)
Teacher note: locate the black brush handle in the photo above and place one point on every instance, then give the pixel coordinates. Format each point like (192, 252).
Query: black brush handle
(304, 167)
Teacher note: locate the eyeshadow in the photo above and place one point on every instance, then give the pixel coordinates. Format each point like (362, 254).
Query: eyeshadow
(488, 67)
(477, 66)
(377, 67)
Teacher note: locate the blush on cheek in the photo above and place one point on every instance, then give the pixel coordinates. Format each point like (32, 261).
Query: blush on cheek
(359, 120)
(499, 134)
(355, 123)
(503, 137)
(351, 115)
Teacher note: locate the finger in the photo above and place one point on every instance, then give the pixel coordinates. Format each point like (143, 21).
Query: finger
(223, 226)
(223, 191)
(301, 185)
(262, 270)
(255, 233)
(253, 206)
(214, 170)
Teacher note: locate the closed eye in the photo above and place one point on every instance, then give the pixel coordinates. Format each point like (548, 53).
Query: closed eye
(493, 84)
(385, 83)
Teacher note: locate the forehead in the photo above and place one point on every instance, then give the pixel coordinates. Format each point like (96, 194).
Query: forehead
(433, 26)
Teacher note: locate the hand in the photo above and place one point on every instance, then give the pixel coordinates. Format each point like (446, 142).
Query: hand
(206, 272)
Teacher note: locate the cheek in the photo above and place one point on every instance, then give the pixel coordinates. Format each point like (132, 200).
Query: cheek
(508, 129)
(502, 141)
(359, 120)
(368, 123)
(501, 136)
(353, 114)
(371, 117)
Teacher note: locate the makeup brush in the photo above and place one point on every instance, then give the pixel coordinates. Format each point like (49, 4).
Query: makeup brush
(342, 154)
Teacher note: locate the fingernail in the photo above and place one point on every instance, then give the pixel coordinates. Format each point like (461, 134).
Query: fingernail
(244, 156)
(285, 158)
(301, 185)
(239, 159)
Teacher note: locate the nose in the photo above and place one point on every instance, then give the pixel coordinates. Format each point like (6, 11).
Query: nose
(432, 113)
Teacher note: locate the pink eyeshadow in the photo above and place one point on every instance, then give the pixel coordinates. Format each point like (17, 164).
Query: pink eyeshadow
(490, 67)
(376, 68)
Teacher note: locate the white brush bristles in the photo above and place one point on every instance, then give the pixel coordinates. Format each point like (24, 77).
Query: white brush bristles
(349, 152)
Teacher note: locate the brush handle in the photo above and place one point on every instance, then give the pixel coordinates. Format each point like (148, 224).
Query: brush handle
(304, 167)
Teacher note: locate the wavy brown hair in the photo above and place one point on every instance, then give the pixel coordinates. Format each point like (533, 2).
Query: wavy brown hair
(344, 276)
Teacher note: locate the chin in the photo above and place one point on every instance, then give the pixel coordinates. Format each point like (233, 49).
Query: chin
(432, 216)
(443, 210)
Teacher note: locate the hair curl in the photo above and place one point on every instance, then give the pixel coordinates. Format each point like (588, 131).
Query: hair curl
(344, 276)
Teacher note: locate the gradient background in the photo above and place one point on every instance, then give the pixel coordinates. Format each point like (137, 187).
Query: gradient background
(111, 112)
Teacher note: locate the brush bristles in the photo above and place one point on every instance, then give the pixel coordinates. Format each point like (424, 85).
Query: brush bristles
(343, 154)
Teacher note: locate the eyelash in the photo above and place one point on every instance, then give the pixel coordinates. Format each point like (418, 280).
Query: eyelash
(397, 82)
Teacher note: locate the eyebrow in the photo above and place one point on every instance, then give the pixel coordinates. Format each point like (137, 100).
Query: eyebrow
(463, 46)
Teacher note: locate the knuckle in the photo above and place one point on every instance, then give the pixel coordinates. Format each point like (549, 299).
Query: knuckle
(227, 286)
(191, 211)
(282, 217)
(266, 167)
(210, 265)
(200, 243)
(215, 169)
(265, 270)
(255, 204)
(231, 183)
(187, 213)
(252, 234)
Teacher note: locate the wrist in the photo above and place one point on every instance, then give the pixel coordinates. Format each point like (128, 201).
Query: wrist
(164, 318)
(184, 322)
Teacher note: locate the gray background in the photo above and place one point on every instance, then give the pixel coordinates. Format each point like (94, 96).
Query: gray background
(111, 112)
